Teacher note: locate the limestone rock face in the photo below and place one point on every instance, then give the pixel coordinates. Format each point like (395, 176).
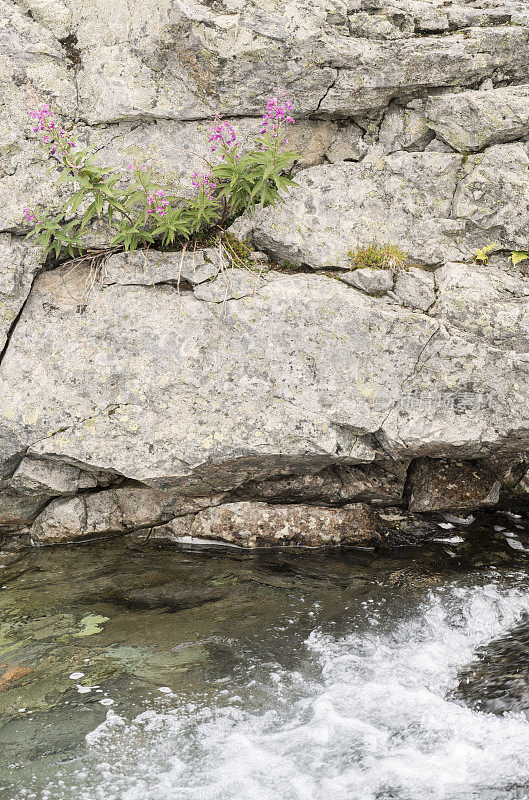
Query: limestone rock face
(404, 198)
(433, 205)
(19, 263)
(379, 484)
(487, 302)
(370, 281)
(473, 120)
(187, 394)
(415, 288)
(109, 512)
(200, 403)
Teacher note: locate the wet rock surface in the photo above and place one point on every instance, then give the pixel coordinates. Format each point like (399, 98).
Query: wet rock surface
(497, 681)
(445, 485)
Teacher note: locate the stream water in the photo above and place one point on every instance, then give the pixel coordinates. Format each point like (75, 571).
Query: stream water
(143, 672)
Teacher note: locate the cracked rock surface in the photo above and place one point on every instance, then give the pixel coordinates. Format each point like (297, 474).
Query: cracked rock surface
(181, 386)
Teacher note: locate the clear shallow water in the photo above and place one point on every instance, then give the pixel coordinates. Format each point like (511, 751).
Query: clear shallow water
(291, 676)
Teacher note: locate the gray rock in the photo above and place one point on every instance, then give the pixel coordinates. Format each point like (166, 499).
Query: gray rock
(377, 484)
(19, 263)
(370, 74)
(157, 389)
(230, 284)
(445, 485)
(371, 281)
(430, 204)
(260, 525)
(415, 288)
(405, 129)
(287, 387)
(493, 196)
(402, 199)
(348, 144)
(473, 120)
(485, 302)
(36, 476)
(110, 512)
(151, 267)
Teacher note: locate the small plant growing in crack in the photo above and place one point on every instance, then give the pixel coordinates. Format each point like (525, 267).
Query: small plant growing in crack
(482, 255)
(377, 256)
(516, 257)
(144, 212)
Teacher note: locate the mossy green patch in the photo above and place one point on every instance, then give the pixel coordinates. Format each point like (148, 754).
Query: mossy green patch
(377, 256)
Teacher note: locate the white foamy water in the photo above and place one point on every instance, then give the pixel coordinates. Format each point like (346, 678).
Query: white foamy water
(370, 720)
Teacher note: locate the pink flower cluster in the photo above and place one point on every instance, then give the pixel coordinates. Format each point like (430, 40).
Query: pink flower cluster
(157, 202)
(277, 111)
(29, 216)
(136, 167)
(222, 135)
(44, 119)
(205, 182)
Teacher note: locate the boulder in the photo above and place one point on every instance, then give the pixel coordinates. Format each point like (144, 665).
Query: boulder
(485, 302)
(492, 196)
(446, 484)
(156, 386)
(20, 262)
(405, 128)
(181, 381)
(109, 512)
(402, 199)
(148, 268)
(261, 525)
(380, 484)
(370, 74)
(433, 205)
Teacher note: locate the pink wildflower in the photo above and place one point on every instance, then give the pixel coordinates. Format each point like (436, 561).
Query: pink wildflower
(29, 216)
(54, 134)
(205, 182)
(157, 202)
(277, 112)
(136, 167)
(222, 135)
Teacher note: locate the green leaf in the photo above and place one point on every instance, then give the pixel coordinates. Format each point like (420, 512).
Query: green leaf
(88, 214)
(99, 202)
(517, 256)
(118, 238)
(76, 200)
(64, 174)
